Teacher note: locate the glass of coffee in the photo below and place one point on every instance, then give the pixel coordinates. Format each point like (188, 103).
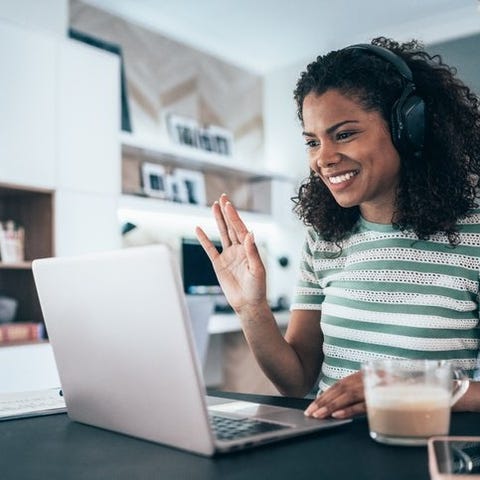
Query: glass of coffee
(409, 401)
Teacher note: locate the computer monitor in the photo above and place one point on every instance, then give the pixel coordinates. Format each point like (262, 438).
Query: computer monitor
(199, 277)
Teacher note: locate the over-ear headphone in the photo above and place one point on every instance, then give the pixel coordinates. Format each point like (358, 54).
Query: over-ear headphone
(408, 112)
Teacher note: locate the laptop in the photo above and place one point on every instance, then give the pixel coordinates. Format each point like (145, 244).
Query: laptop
(119, 328)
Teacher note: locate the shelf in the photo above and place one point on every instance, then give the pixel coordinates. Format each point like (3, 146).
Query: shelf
(22, 343)
(150, 205)
(16, 266)
(229, 322)
(32, 208)
(191, 157)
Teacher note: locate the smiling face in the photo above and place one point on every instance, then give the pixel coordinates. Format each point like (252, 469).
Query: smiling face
(352, 152)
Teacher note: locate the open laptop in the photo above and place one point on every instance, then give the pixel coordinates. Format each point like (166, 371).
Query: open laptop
(121, 336)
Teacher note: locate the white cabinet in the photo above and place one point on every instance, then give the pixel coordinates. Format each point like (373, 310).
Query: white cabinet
(88, 172)
(59, 151)
(85, 222)
(27, 113)
(88, 119)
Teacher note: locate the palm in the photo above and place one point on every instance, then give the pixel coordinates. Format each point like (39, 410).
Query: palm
(239, 268)
(241, 283)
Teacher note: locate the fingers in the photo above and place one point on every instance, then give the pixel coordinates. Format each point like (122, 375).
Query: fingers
(352, 411)
(230, 226)
(337, 411)
(343, 400)
(221, 225)
(207, 245)
(235, 225)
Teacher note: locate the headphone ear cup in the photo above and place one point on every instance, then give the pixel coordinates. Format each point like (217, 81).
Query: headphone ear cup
(408, 123)
(413, 117)
(396, 127)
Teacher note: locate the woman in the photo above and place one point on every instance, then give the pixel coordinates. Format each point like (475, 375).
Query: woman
(391, 260)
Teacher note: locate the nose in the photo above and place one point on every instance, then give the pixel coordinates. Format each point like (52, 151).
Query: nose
(325, 156)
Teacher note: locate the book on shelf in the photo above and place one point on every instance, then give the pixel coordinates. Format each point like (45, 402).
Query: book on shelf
(15, 332)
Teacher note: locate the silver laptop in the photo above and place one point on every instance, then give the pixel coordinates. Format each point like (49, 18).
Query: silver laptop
(122, 340)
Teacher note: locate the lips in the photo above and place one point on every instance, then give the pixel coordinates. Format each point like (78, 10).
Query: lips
(336, 179)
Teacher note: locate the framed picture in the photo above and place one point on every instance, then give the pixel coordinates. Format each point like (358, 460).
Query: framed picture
(211, 138)
(205, 140)
(182, 130)
(191, 186)
(221, 140)
(176, 189)
(154, 180)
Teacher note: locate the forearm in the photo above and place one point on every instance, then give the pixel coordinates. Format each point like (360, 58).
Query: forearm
(470, 402)
(276, 357)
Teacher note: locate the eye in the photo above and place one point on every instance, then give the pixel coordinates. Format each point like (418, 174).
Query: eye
(345, 135)
(311, 143)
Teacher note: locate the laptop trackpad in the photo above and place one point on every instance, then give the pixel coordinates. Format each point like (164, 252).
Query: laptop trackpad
(261, 412)
(243, 408)
(288, 416)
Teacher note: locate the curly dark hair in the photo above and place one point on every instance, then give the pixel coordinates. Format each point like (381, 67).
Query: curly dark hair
(434, 191)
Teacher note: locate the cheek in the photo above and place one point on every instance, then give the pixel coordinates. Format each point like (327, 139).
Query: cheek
(384, 158)
(312, 162)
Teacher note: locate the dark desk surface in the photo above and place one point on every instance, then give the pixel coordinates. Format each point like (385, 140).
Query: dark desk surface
(53, 447)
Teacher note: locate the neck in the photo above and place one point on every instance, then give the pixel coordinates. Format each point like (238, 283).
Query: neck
(377, 214)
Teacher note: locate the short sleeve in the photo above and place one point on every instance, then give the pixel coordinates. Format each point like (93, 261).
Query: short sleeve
(308, 295)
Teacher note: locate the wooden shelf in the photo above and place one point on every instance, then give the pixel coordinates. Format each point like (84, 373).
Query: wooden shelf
(155, 206)
(16, 266)
(191, 157)
(32, 208)
(23, 342)
(249, 187)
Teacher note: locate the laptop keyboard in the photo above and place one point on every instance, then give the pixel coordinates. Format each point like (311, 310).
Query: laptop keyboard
(232, 428)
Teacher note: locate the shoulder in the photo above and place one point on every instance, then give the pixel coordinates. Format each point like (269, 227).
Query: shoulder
(315, 243)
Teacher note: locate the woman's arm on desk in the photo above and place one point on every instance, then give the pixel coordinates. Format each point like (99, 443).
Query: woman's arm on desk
(291, 363)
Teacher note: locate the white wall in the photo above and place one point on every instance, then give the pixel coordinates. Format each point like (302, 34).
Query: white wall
(284, 149)
(50, 15)
(285, 153)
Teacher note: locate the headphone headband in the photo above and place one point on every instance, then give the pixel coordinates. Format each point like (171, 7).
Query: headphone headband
(398, 62)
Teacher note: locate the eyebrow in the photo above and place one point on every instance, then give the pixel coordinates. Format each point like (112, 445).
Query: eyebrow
(332, 128)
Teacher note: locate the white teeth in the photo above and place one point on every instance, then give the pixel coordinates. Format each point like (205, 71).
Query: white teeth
(342, 178)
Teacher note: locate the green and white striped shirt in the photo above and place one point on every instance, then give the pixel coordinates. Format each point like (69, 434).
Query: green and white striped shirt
(390, 295)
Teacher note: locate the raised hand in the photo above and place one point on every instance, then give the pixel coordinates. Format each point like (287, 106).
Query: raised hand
(239, 267)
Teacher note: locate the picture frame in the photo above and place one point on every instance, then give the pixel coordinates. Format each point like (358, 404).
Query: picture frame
(182, 130)
(191, 186)
(154, 178)
(205, 141)
(221, 140)
(209, 138)
(176, 189)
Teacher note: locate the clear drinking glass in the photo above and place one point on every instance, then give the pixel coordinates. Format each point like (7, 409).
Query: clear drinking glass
(409, 401)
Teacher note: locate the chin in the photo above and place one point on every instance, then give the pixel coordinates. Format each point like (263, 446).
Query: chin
(347, 203)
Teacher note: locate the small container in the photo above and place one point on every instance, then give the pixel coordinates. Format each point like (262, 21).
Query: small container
(8, 309)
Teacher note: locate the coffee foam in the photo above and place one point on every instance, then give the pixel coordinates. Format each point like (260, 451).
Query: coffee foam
(408, 396)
